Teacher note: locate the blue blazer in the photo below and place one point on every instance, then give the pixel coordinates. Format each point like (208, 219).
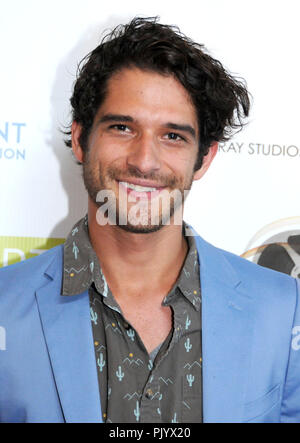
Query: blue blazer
(251, 343)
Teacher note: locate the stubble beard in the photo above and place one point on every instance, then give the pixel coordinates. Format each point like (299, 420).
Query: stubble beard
(96, 180)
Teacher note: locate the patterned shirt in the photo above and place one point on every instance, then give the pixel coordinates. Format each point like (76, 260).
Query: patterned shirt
(164, 386)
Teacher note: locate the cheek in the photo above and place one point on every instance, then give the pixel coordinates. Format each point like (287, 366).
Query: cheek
(106, 152)
(182, 164)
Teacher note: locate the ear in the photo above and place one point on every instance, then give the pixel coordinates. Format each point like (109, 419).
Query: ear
(207, 159)
(77, 150)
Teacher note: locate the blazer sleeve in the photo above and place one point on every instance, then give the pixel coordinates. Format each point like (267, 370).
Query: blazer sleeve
(290, 412)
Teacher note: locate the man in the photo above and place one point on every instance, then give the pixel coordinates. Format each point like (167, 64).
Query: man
(136, 318)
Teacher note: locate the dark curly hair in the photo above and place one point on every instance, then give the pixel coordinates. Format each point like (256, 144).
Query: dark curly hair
(221, 101)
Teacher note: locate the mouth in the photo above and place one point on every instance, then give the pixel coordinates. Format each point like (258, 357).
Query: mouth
(141, 189)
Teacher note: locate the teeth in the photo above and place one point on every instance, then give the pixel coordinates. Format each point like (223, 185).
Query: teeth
(139, 188)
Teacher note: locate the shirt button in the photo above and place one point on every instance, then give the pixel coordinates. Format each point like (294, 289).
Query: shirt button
(149, 393)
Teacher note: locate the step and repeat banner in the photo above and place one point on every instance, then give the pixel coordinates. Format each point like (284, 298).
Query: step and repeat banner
(247, 202)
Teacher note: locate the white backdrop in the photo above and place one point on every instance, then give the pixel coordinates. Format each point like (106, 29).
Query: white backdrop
(254, 180)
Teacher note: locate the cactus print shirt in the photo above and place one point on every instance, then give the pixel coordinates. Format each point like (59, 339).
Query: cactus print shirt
(164, 386)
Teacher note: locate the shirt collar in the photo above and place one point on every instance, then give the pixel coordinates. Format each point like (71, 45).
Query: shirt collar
(82, 268)
(189, 279)
(81, 265)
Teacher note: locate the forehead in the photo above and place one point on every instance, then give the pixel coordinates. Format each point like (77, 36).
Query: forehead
(148, 94)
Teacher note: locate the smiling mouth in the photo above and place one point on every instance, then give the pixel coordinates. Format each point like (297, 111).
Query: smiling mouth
(139, 188)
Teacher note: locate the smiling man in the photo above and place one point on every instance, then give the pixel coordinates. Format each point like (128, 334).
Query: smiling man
(136, 318)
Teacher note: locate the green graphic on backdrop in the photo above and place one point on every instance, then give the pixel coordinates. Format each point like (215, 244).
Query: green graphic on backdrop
(15, 249)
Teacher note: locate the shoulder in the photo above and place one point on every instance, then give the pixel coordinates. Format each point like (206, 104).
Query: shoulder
(247, 268)
(265, 285)
(262, 283)
(28, 274)
(258, 274)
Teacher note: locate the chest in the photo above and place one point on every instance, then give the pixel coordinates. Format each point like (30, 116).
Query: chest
(149, 388)
(152, 324)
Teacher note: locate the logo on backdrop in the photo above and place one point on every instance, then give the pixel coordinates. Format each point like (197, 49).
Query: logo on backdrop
(16, 249)
(260, 149)
(12, 141)
(277, 246)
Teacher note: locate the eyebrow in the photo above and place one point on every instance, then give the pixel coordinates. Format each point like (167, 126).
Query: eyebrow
(114, 118)
(127, 118)
(185, 128)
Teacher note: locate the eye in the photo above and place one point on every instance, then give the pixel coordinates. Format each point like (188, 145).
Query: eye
(174, 136)
(120, 127)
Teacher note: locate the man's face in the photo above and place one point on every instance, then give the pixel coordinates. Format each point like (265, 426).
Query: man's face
(144, 140)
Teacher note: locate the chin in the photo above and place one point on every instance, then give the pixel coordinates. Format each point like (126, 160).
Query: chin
(141, 229)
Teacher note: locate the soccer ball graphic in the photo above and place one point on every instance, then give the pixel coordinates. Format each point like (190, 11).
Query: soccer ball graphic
(277, 246)
(281, 253)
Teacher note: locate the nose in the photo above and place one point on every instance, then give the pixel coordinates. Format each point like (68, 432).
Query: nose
(144, 155)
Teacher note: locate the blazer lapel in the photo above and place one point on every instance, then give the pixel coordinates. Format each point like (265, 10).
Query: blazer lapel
(67, 328)
(226, 337)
